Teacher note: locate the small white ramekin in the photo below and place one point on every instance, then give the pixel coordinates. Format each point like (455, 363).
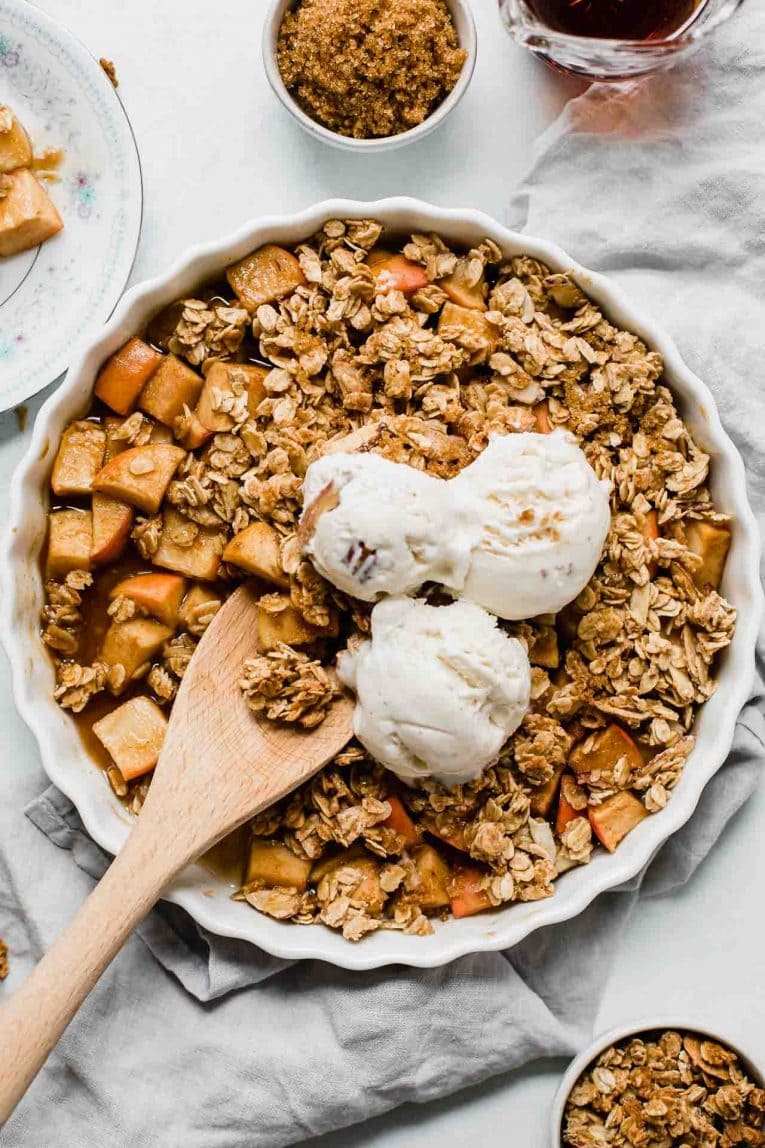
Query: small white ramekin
(466, 34)
(627, 1032)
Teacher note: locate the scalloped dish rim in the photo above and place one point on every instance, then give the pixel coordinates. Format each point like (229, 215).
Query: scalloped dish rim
(205, 896)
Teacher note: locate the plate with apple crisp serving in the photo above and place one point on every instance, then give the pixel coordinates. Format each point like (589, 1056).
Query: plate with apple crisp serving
(464, 474)
(70, 199)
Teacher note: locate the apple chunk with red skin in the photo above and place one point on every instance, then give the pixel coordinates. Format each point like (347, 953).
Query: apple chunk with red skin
(396, 273)
(141, 475)
(467, 895)
(399, 820)
(112, 523)
(158, 594)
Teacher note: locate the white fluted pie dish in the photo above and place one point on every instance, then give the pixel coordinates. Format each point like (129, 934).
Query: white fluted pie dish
(207, 897)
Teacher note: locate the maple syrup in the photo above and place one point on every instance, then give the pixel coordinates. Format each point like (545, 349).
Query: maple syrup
(616, 19)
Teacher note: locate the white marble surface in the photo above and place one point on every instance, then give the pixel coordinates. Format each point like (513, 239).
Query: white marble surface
(216, 148)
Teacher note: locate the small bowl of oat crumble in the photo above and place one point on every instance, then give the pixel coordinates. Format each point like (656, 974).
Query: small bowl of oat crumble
(366, 75)
(666, 1081)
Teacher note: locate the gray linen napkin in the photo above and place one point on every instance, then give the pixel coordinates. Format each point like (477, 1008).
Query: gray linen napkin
(660, 185)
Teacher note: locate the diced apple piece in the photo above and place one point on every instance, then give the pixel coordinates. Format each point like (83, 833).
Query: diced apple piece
(15, 146)
(615, 818)
(433, 890)
(469, 329)
(368, 890)
(565, 812)
(171, 387)
(141, 475)
(112, 523)
(468, 897)
(256, 550)
(277, 866)
(195, 435)
(132, 735)
(265, 276)
(455, 837)
(221, 379)
(114, 444)
(648, 525)
(196, 601)
(396, 273)
(461, 290)
(545, 651)
(70, 537)
(189, 549)
(711, 541)
(158, 594)
(79, 459)
(289, 626)
(124, 375)
(400, 821)
(600, 752)
(133, 644)
(542, 799)
(542, 417)
(28, 216)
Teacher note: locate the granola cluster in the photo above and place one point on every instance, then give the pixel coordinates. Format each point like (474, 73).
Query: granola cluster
(665, 1089)
(371, 344)
(286, 685)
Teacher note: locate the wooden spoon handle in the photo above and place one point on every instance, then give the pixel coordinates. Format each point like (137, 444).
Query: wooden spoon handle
(32, 1021)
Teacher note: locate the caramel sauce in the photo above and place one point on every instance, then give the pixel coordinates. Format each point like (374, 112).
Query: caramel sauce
(616, 19)
(46, 164)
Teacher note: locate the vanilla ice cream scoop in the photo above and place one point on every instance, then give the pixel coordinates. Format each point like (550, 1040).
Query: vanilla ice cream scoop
(439, 689)
(541, 515)
(375, 527)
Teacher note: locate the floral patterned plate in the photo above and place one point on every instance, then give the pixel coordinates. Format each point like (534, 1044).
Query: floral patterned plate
(57, 294)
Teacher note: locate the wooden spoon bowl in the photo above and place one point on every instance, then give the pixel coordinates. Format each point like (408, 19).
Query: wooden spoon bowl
(220, 765)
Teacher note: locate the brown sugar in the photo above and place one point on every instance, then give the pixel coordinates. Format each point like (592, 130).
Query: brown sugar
(369, 68)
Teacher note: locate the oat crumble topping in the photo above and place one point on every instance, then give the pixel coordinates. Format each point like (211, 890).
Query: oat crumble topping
(419, 352)
(665, 1089)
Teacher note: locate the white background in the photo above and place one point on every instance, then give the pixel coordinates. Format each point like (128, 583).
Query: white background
(216, 149)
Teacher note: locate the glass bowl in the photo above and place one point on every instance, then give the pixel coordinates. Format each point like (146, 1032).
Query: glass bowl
(612, 59)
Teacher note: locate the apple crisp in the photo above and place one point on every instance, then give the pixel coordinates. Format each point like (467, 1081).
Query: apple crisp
(665, 1088)
(186, 477)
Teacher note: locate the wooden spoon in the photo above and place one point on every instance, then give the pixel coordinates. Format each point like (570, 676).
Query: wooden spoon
(219, 766)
